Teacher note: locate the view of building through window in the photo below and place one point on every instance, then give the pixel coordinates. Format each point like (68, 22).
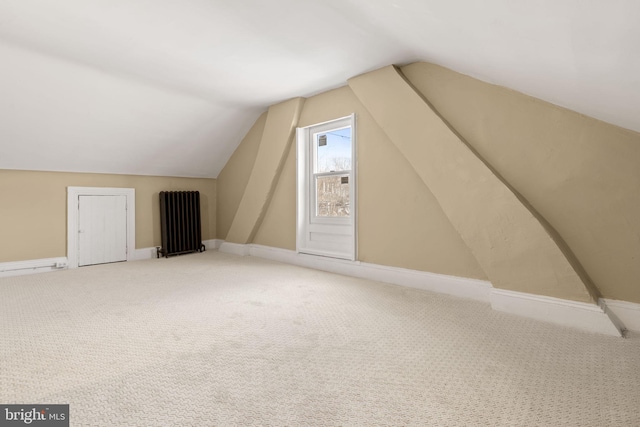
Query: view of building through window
(333, 195)
(332, 166)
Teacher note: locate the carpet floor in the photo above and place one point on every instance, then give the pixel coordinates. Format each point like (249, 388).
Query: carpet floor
(214, 339)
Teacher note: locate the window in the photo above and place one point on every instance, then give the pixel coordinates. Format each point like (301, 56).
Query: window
(326, 188)
(332, 167)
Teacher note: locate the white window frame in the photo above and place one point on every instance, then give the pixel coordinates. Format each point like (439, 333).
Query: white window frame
(306, 191)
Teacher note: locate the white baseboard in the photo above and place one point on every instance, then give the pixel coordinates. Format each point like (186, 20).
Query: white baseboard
(457, 286)
(234, 248)
(149, 253)
(19, 268)
(583, 316)
(213, 244)
(609, 318)
(580, 315)
(144, 253)
(628, 313)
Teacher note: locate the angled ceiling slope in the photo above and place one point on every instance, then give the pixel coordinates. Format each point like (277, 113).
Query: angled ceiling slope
(169, 88)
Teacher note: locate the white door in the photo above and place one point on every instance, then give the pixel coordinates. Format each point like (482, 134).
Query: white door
(102, 229)
(326, 189)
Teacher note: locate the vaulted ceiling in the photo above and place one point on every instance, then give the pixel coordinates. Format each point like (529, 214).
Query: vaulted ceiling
(168, 87)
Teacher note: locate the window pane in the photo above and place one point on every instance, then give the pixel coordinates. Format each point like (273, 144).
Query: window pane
(333, 150)
(332, 196)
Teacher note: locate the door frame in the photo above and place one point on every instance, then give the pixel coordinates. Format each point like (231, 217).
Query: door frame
(73, 204)
(303, 190)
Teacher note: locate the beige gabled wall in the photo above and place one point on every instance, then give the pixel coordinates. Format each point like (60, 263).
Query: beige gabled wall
(234, 177)
(277, 137)
(400, 223)
(580, 174)
(516, 249)
(276, 229)
(33, 209)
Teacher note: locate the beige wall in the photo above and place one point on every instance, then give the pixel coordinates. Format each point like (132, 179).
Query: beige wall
(234, 177)
(399, 224)
(276, 229)
(33, 209)
(514, 248)
(580, 174)
(277, 137)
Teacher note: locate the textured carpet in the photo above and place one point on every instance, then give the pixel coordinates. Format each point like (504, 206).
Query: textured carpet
(218, 340)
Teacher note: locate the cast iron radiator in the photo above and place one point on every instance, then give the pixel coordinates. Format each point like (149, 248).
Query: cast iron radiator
(180, 222)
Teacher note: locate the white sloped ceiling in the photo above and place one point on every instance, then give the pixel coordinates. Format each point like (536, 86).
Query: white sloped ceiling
(168, 87)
